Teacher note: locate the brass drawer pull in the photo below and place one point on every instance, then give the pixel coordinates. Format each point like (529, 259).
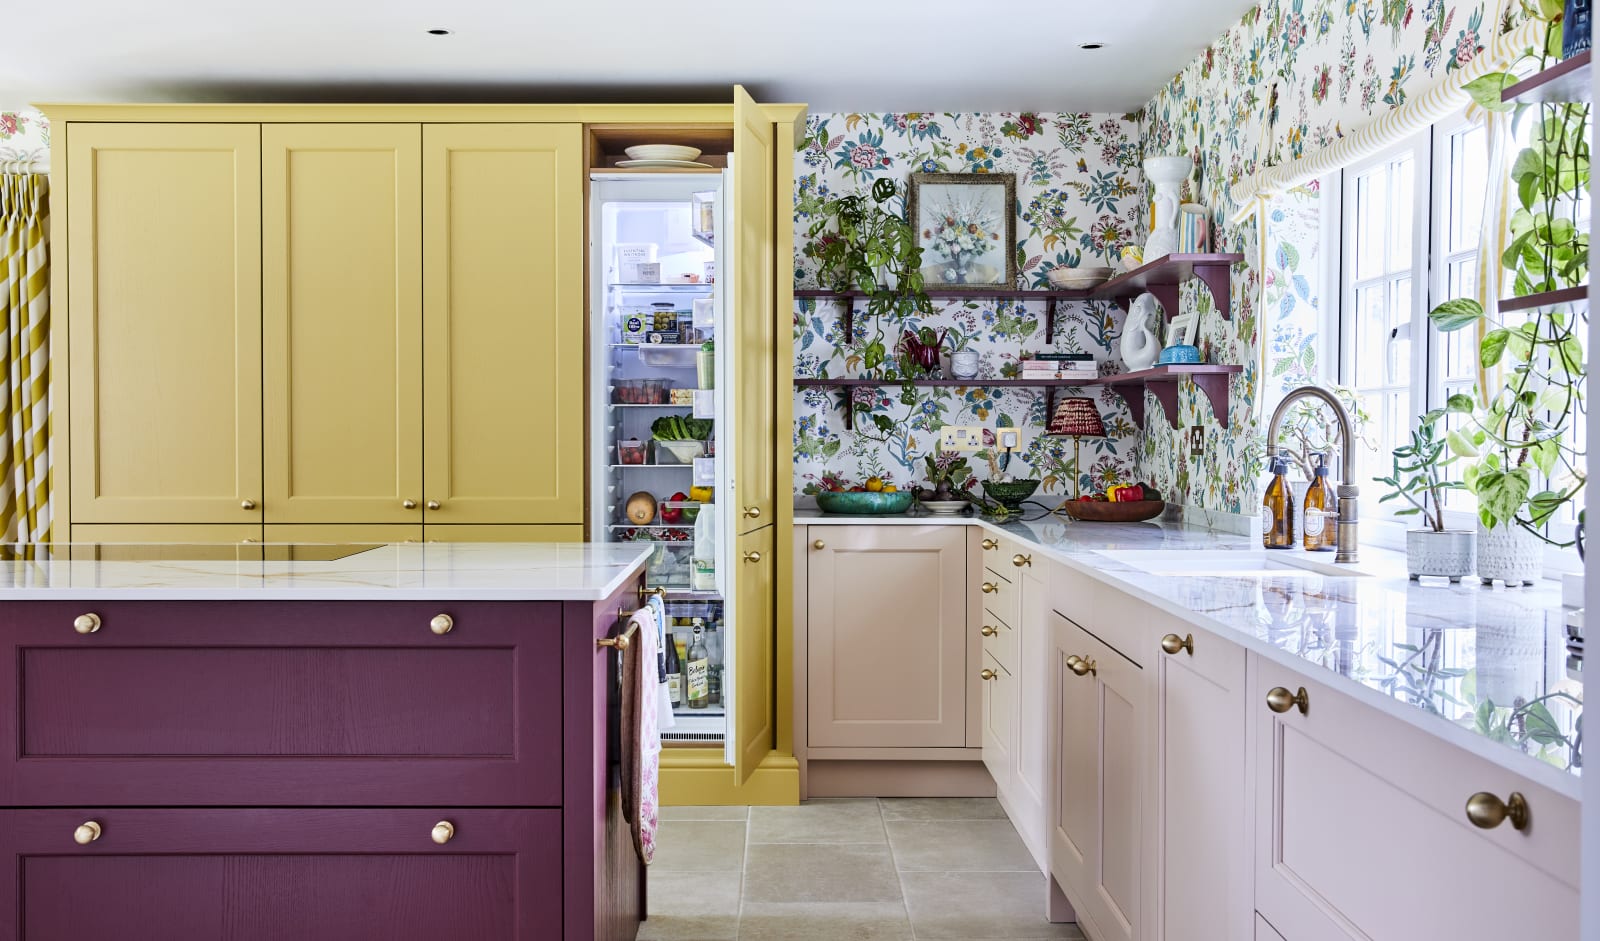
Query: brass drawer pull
(1082, 666)
(819, 544)
(1019, 560)
(443, 832)
(1172, 643)
(752, 512)
(990, 588)
(86, 623)
(991, 544)
(409, 504)
(1281, 700)
(433, 504)
(988, 631)
(87, 833)
(247, 504)
(1486, 811)
(442, 624)
(752, 556)
(988, 675)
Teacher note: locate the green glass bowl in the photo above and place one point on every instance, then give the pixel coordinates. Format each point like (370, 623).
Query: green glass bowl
(865, 503)
(1011, 493)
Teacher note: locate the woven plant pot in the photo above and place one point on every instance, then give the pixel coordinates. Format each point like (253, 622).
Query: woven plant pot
(1509, 554)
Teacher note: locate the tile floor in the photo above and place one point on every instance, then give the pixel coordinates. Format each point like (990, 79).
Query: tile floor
(890, 869)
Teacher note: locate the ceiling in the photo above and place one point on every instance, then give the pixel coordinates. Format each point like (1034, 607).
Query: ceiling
(834, 55)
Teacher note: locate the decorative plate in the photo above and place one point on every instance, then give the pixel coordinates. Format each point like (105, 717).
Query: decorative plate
(658, 164)
(662, 152)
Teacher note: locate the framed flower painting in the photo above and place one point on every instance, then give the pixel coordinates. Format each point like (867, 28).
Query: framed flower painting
(967, 229)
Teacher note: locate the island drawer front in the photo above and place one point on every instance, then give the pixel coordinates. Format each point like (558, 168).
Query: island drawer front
(281, 704)
(254, 875)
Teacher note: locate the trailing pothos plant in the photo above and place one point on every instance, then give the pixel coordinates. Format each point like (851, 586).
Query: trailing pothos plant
(1516, 439)
(861, 244)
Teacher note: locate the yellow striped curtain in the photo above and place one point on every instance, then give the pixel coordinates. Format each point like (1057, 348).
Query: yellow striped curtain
(24, 357)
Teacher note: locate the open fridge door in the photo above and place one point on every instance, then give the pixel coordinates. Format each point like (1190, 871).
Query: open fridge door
(727, 407)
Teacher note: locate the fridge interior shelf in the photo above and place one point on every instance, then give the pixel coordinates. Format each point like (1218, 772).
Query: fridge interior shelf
(664, 287)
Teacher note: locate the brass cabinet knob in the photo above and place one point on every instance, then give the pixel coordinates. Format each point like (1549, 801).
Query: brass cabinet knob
(1281, 700)
(988, 630)
(752, 512)
(247, 504)
(87, 833)
(990, 588)
(987, 675)
(819, 544)
(1172, 643)
(991, 544)
(752, 556)
(1019, 560)
(443, 832)
(86, 623)
(442, 624)
(433, 504)
(1486, 811)
(409, 504)
(1082, 666)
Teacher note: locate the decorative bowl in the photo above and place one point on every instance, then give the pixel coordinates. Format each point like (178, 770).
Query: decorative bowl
(1011, 493)
(943, 507)
(864, 503)
(1100, 511)
(1182, 354)
(1077, 279)
(662, 152)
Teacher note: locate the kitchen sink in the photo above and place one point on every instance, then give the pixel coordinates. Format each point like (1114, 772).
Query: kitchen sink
(1225, 563)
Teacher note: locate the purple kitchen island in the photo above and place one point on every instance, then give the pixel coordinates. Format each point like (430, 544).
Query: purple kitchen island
(316, 743)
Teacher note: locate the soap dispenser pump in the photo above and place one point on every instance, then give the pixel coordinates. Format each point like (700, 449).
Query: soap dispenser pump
(1277, 509)
(1317, 517)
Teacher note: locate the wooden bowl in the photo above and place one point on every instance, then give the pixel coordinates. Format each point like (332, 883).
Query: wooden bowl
(1134, 511)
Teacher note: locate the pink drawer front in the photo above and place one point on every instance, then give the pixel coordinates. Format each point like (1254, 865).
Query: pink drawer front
(286, 704)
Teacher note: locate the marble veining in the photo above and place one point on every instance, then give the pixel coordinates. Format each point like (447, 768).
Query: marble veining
(1488, 662)
(400, 572)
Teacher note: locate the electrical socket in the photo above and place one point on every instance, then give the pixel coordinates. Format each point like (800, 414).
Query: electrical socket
(961, 438)
(1197, 441)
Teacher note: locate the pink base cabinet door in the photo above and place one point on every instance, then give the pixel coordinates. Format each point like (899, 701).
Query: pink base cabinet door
(265, 875)
(1362, 829)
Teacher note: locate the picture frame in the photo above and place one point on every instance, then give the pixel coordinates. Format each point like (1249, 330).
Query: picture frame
(966, 226)
(1181, 329)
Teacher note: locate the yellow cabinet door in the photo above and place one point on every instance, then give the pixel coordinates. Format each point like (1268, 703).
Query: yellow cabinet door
(303, 533)
(164, 322)
(754, 724)
(342, 322)
(753, 311)
(503, 323)
(466, 532)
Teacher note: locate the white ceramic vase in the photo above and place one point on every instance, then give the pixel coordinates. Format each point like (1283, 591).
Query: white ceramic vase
(1450, 554)
(1509, 554)
(1165, 175)
(1140, 348)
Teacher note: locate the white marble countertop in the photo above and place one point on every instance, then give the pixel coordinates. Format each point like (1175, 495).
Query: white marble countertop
(1431, 653)
(400, 572)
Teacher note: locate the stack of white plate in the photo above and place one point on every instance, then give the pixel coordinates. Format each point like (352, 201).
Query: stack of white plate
(662, 155)
(1078, 279)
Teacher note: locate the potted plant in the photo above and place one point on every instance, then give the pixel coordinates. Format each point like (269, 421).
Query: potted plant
(1418, 479)
(948, 477)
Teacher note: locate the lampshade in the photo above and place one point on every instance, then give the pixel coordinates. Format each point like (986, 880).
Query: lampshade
(1077, 418)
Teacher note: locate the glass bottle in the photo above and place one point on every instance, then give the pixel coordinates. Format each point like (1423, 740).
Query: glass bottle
(697, 686)
(714, 660)
(1317, 517)
(674, 672)
(1277, 509)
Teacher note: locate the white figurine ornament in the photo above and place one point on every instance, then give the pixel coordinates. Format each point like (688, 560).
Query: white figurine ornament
(1140, 346)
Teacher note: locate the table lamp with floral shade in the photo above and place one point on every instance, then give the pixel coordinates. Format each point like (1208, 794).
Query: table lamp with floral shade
(1076, 418)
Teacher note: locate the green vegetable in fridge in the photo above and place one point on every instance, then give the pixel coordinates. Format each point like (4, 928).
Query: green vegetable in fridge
(681, 428)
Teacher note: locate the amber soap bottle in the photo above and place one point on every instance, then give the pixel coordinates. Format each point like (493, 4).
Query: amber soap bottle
(1277, 509)
(1317, 516)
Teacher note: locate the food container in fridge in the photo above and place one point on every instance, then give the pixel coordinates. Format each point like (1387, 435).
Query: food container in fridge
(630, 451)
(679, 452)
(655, 391)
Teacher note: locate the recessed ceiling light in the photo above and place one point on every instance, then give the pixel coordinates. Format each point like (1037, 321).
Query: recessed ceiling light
(1091, 45)
(439, 32)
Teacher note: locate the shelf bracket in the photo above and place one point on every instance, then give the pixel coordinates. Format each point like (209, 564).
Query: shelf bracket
(1168, 295)
(1215, 387)
(849, 321)
(1219, 279)
(1050, 323)
(1133, 394)
(1167, 395)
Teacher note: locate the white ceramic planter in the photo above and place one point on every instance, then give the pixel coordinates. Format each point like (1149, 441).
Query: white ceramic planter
(1509, 554)
(1450, 554)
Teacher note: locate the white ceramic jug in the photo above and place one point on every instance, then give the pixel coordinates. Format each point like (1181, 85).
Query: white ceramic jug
(1140, 347)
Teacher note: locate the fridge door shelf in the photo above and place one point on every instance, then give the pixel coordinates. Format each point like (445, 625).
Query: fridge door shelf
(669, 287)
(674, 355)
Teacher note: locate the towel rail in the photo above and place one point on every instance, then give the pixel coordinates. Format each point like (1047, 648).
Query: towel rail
(622, 640)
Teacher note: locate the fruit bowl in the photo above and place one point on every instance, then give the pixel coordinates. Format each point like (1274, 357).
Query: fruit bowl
(1011, 493)
(864, 502)
(1101, 511)
(1077, 279)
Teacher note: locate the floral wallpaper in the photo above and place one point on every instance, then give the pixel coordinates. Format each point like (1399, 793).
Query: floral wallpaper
(1292, 77)
(23, 133)
(1080, 198)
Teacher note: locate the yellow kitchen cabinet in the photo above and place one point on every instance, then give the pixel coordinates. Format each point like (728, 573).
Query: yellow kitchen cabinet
(91, 541)
(467, 532)
(342, 323)
(337, 532)
(754, 312)
(503, 323)
(163, 249)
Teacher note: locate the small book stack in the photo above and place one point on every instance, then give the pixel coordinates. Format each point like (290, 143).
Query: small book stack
(1062, 366)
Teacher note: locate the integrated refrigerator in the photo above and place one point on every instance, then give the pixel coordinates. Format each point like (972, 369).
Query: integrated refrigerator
(661, 411)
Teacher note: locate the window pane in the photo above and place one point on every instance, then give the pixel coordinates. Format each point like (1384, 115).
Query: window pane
(1402, 214)
(1371, 337)
(1372, 202)
(1468, 184)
